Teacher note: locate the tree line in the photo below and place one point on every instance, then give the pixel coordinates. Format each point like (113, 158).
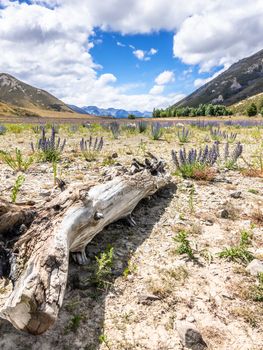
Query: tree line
(201, 110)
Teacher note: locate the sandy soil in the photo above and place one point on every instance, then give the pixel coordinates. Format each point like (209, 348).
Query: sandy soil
(152, 291)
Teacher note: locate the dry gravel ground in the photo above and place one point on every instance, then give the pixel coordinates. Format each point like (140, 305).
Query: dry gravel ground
(153, 293)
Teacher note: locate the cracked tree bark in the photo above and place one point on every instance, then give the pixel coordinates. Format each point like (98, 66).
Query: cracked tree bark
(33, 285)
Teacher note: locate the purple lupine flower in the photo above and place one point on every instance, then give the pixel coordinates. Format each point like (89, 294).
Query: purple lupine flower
(175, 159)
(47, 145)
(204, 155)
(88, 145)
(237, 152)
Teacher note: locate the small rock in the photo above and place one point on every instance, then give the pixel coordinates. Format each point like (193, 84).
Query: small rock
(224, 214)
(114, 155)
(235, 195)
(255, 267)
(45, 194)
(147, 299)
(209, 223)
(22, 229)
(190, 336)
(190, 319)
(188, 184)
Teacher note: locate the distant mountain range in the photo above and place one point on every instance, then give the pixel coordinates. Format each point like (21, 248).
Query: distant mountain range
(16, 93)
(109, 112)
(242, 80)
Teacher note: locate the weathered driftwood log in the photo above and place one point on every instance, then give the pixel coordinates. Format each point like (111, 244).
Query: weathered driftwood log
(32, 288)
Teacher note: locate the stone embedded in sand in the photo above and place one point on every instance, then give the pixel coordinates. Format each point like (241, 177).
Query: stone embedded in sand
(255, 267)
(224, 214)
(190, 336)
(235, 195)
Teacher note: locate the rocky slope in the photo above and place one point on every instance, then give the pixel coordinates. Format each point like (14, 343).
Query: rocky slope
(242, 80)
(15, 92)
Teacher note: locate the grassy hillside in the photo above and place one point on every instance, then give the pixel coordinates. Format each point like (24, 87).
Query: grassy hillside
(13, 111)
(17, 93)
(241, 107)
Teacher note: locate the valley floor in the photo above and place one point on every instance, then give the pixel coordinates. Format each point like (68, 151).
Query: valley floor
(153, 294)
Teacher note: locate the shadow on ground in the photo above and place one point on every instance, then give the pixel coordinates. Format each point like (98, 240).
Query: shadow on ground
(80, 323)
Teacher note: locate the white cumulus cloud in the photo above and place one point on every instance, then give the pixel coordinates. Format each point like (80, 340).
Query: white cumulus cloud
(157, 90)
(165, 77)
(153, 51)
(140, 54)
(220, 34)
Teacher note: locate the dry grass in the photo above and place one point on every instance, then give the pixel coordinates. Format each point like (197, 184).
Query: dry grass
(196, 229)
(257, 216)
(167, 281)
(213, 335)
(206, 174)
(233, 212)
(252, 172)
(251, 315)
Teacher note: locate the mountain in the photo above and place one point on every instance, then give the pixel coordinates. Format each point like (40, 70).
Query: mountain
(77, 109)
(242, 80)
(16, 93)
(112, 112)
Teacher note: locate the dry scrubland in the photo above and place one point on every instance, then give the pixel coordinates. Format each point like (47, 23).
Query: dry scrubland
(145, 285)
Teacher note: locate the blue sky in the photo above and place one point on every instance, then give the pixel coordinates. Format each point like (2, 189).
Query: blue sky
(128, 54)
(115, 53)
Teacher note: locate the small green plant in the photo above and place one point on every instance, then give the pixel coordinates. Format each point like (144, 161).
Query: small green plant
(17, 186)
(156, 131)
(17, 162)
(131, 268)
(207, 255)
(74, 324)
(239, 253)
(142, 147)
(252, 110)
(104, 264)
(184, 135)
(142, 126)
(104, 340)
(184, 246)
(16, 128)
(257, 291)
(253, 191)
(246, 238)
(181, 217)
(108, 161)
(72, 305)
